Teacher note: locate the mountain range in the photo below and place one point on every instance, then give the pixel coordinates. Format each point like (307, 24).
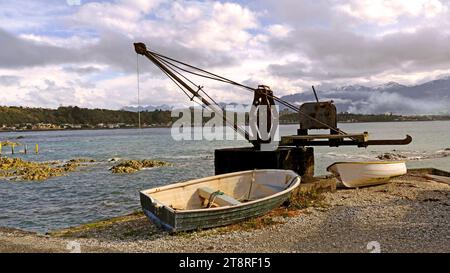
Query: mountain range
(148, 108)
(432, 97)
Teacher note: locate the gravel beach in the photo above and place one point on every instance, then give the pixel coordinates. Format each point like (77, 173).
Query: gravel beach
(410, 214)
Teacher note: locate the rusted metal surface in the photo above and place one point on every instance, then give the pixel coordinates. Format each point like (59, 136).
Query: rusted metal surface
(339, 140)
(359, 137)
(405, 141)
(325, 112)
(263, 97)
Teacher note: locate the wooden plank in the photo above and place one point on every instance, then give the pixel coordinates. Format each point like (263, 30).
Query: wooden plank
(220, 200)
(208, 219)
(264, 190)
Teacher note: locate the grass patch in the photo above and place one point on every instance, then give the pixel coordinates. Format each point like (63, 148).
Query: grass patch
(305, 200)
(98, 226)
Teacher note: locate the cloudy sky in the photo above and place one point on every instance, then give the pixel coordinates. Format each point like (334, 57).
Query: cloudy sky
(79, 52)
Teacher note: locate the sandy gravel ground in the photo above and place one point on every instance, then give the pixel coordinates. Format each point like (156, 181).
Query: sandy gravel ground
(411, 214)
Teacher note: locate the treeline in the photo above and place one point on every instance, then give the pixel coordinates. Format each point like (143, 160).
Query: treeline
(289, 117)
(11, 116)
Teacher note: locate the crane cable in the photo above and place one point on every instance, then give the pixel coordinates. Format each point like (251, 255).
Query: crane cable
(236, 127)
(138, 89)
(225, 80)
(200, 88)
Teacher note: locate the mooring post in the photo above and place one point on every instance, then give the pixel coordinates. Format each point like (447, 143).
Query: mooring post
(0, 148)
(37, 148)
(12, 148)
(25, 148)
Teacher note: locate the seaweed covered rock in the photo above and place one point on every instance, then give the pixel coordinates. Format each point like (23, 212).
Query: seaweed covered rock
(15, 163)
(10, 143)
(391, 156)
(19, 169)
(25, 170)
(132, 166)
(128, 166)
(39, 173)
(124, 169)
(82, 160)
(70, 167)
(154, 163)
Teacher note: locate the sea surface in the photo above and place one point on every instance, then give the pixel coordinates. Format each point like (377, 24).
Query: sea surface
(94, 193)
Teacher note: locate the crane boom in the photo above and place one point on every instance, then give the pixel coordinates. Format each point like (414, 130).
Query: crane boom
(141, 49)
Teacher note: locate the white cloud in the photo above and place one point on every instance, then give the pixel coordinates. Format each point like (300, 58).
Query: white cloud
(279, 31)
(83, 55)
(65, 42)
(389, 12)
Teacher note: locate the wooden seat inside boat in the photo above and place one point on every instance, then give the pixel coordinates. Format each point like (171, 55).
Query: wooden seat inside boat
(216, 197)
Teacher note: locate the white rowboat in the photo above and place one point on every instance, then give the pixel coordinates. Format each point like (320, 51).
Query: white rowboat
(218, 200)
(361, 174)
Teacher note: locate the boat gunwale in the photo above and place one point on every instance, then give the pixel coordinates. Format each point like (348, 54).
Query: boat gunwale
(197, 181)
(334, 168)
(365, 163)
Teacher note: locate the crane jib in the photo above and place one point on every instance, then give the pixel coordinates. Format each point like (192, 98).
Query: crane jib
(264, 96)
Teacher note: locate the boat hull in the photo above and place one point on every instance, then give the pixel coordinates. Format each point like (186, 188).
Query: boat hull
(362, 174)
(185, 220)
(176, 222)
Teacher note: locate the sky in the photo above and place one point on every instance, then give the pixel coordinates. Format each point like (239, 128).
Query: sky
(79, 52)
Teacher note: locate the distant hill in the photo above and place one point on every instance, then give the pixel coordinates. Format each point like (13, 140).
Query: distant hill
(428, 98)
(11, 116)
(73, 117)
(148, 108)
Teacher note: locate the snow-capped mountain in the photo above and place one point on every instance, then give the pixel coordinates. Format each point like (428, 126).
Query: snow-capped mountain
(390, 85)
(148, 108)
(431, 97)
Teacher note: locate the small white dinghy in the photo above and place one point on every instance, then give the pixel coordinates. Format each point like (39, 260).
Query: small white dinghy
(218, 200)
(361, 174)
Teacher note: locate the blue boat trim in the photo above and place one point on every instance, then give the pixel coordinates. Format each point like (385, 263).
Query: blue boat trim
(158, 221)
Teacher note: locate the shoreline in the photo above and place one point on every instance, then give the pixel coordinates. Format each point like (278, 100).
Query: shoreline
(82, 129)
(410, 214)
(165, 127)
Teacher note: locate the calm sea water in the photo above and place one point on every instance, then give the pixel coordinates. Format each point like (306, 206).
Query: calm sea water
(95, 193)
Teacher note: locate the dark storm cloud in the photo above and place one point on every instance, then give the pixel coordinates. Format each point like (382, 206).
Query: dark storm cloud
(337, 53)
(112, 49)
(82, 70)
(17, 52)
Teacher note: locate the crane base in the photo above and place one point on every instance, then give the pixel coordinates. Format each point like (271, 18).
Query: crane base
(298, 159)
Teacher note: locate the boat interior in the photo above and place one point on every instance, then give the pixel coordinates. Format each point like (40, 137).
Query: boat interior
(223, 190)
